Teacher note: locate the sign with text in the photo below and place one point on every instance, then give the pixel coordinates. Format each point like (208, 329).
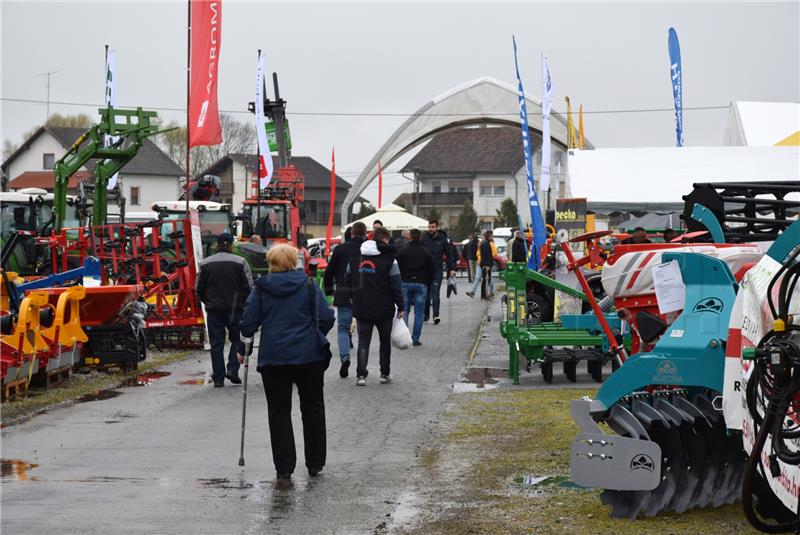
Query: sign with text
(571, 221)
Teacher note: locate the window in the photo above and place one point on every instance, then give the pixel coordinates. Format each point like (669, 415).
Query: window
(492, 190)
(134, 196)
(48, 160)
(437, 187)
(459, 186)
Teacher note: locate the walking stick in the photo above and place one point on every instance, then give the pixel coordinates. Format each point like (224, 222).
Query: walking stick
(247, 345)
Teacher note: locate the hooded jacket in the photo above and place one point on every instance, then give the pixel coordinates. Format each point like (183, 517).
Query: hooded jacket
(337, 267)
(375, 282)
(280, 306)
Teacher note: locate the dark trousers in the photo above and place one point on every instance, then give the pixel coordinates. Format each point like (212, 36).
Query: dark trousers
(365, 337)
(217, 323)
(433, 295)
(278, 381)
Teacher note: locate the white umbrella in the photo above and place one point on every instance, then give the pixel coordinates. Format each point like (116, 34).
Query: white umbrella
(393, 217)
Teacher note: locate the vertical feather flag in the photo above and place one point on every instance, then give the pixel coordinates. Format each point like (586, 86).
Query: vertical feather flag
(537, 222)
(547, 104)
(333, 204)
(677, 81)
(265, 166)
(111, 101)
(206, 40)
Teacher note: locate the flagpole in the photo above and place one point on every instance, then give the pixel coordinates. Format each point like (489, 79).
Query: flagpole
(188, 92)
(258, 175)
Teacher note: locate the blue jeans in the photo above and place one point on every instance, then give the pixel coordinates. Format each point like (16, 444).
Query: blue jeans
(477, 284)
(344, 319)
(417, 293)
(433, 294)
(217, 323)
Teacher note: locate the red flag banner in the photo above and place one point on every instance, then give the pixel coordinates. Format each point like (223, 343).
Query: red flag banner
(206, 28)
(333, 204)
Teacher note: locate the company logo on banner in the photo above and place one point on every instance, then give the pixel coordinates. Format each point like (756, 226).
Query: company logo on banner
(204, 126)
(537, 223)
(111, 100)
(264, 157)
(547, 104)
(677, 83)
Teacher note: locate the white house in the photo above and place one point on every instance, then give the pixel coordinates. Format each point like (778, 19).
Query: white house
(484, 164)
(150, 176)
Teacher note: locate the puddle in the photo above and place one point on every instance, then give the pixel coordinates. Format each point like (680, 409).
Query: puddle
(15, 470)
(98, 395)
(198, 374)
(484, 376)
(112, 421)
(143, 379)
(225, 483)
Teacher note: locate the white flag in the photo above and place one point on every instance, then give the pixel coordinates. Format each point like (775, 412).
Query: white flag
(265, 157)
(111, 99)
(547, 103)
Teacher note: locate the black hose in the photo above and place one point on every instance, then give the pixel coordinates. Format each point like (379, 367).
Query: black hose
(783, 268)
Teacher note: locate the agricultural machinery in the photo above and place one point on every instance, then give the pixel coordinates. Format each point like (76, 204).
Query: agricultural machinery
(674, 447)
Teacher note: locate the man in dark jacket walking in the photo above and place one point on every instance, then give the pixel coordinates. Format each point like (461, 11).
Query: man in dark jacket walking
(376, 289)
(435, 241)
(223, 283)
(471, 255)
(343, 256)
(518, 247)
(416, 272)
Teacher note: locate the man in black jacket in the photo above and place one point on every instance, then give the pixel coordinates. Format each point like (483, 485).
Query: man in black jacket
(416, 272)
(435, 241)
(224, 281)
(342, 256)
(471, 255)
(376, 289)
(518, 247)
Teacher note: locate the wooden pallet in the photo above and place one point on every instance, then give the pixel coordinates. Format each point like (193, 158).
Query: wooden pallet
(14, 389)
(52, 377)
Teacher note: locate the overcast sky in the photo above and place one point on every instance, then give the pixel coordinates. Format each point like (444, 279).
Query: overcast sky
(392, 58)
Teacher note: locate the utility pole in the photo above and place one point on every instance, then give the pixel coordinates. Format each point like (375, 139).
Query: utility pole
(48, 74)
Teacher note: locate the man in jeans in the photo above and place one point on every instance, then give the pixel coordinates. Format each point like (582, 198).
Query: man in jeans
(376, 289)
(487, 250)
(416, 272)
(342, 299)
(223, 283)
(435, 241)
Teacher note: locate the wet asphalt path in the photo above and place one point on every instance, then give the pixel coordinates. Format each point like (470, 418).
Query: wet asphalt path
(163, 458)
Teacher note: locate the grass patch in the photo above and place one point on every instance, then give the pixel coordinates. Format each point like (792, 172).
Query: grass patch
(77, 385)
(488, 441)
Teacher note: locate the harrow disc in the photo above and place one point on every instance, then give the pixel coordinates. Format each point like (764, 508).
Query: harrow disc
(701, 463)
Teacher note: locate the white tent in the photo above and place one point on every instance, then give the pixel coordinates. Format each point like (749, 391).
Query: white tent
(394, 217)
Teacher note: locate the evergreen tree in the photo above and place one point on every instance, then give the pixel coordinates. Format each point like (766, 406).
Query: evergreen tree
(467, 222)
(365, 210)
(435, 214)
(507, 215)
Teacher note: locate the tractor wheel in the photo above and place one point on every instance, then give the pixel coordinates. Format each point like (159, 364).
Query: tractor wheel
(547, 371)
(536, 309)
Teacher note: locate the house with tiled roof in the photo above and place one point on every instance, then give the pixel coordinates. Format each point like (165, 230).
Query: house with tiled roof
(484, 165)
(238, 174)
(150, 176)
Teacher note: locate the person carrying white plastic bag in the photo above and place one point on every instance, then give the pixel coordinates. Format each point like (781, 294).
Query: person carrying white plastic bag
(401, 336)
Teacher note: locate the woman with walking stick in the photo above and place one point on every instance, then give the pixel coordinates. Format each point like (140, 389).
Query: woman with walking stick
(294, 318)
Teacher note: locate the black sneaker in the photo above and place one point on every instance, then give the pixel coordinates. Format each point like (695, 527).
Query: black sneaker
(314, 472)
(219, 384)
(417, 343)
(343, 370)
(234, 378)
(436, 320)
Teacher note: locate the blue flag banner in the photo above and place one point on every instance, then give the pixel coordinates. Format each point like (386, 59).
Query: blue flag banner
(537, 223)
(677, 84)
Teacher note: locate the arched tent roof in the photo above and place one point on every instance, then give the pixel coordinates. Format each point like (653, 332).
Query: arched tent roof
(480, 101)
(393, 217)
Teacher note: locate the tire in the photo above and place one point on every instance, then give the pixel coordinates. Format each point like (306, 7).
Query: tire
(536, 309)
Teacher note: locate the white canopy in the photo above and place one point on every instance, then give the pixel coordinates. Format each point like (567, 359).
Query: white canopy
(394, 217)
(664, 174)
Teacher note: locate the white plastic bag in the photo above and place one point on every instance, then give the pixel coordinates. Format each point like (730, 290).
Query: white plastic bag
(401, 336)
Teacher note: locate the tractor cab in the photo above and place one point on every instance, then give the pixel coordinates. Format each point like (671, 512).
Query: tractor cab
(268, 220)
(215, 218)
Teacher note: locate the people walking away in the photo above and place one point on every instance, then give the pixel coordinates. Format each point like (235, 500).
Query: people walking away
(471, 255)
(487, 250)
(336, 285)
(519, 247)
(639, 237)
(223, 283)
(435, 241)
(294, 318)
(377, 290)
(416, 271)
